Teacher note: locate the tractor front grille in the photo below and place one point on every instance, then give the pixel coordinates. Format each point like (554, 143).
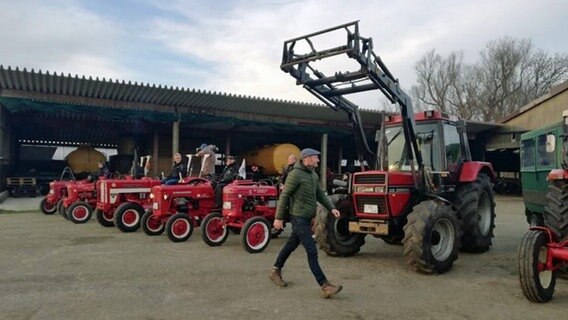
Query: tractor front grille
(379, 178)
(380, 201)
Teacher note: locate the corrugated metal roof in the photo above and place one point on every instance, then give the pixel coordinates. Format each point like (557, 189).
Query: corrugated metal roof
(185, 100)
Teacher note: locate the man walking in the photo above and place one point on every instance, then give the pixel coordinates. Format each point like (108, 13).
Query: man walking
(301, 193)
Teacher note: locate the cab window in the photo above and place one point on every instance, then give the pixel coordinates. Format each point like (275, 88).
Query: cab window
(452, 146)
(545, 158)
(527, 153)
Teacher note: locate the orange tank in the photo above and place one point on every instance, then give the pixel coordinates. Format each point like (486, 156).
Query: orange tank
(84, 159)
(273, 159)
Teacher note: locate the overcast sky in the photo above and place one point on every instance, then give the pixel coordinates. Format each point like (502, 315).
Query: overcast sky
(236, 46)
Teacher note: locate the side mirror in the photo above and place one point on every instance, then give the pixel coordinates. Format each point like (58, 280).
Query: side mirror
(550, 143)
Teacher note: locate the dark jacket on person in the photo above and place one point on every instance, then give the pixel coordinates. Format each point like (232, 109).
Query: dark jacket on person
(301, 193)
(257, 175)
(229, 173)
(177, 169)
(103, 172)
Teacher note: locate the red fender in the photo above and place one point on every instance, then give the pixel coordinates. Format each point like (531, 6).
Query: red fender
(470, 171)
(557, 174)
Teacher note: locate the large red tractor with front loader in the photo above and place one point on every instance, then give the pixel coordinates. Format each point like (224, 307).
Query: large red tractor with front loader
(423, 189)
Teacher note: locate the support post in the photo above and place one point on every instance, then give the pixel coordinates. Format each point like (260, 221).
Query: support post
(155, 153)
(175, 137)
(323, 162)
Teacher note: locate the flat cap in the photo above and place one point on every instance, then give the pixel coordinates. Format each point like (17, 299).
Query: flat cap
(308, 152)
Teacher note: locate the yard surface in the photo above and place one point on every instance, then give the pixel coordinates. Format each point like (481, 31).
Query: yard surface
(53, 269)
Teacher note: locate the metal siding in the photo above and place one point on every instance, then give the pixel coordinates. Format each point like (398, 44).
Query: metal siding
(198, 100)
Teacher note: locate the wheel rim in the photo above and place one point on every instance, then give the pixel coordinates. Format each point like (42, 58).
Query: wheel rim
(215, 230)
(130, 217)
(442, 239)
(484, 212)
(257, 235)
(49, 207)
(80, 212)
(154, 224)
(180, 228)
(544, 275)
(107, 215)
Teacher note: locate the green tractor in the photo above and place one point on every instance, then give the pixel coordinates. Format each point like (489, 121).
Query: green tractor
(541, 152)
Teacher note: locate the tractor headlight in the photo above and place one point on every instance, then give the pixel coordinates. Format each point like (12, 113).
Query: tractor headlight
(380, 189)
(151, 196)
(165, 197)
(365, 189)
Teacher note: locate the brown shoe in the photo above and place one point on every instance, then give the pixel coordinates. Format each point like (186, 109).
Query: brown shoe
(328, 290)
(276, 277)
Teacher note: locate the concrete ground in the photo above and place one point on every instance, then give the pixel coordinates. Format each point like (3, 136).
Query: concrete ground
(53, 269)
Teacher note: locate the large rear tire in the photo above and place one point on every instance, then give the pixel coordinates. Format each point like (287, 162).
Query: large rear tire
(127, 216)
(47, 207)
(255, 235)
(537, 282)
(431, 237)
(104, 218)
(476, 202)
(556, 209)
(332, 234)
(79, 212)
(179, 227)
(151, 224)
(213, 233)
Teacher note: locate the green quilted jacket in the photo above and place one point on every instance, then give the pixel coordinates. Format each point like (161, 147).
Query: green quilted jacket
(301, 191)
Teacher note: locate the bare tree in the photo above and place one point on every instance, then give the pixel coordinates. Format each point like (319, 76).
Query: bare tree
(509, 74)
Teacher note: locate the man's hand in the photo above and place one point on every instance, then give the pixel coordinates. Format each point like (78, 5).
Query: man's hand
(278, 224)
(335, 213)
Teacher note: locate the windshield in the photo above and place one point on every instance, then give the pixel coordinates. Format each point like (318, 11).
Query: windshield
(428, 139)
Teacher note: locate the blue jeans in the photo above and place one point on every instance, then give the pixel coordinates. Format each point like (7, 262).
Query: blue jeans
(302, 233)
(169, 181)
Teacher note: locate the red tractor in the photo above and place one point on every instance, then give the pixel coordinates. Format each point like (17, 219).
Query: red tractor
(249, 208)
(57, 190)
(179, 208)
(122, 202)
(422, 187)
(78, 205)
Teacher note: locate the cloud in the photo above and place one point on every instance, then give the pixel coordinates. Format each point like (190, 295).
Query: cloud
(59, 36)
(236, 46)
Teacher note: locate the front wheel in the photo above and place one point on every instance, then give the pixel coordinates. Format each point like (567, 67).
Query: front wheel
(47, 207)
(79, 212)
(213, 233)
(537, 282)
(61, 209)
(255, 235)
(431, 237)
(332, 234)
(179, 227)
(104, 218)
(127, 216)
(151, 224)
